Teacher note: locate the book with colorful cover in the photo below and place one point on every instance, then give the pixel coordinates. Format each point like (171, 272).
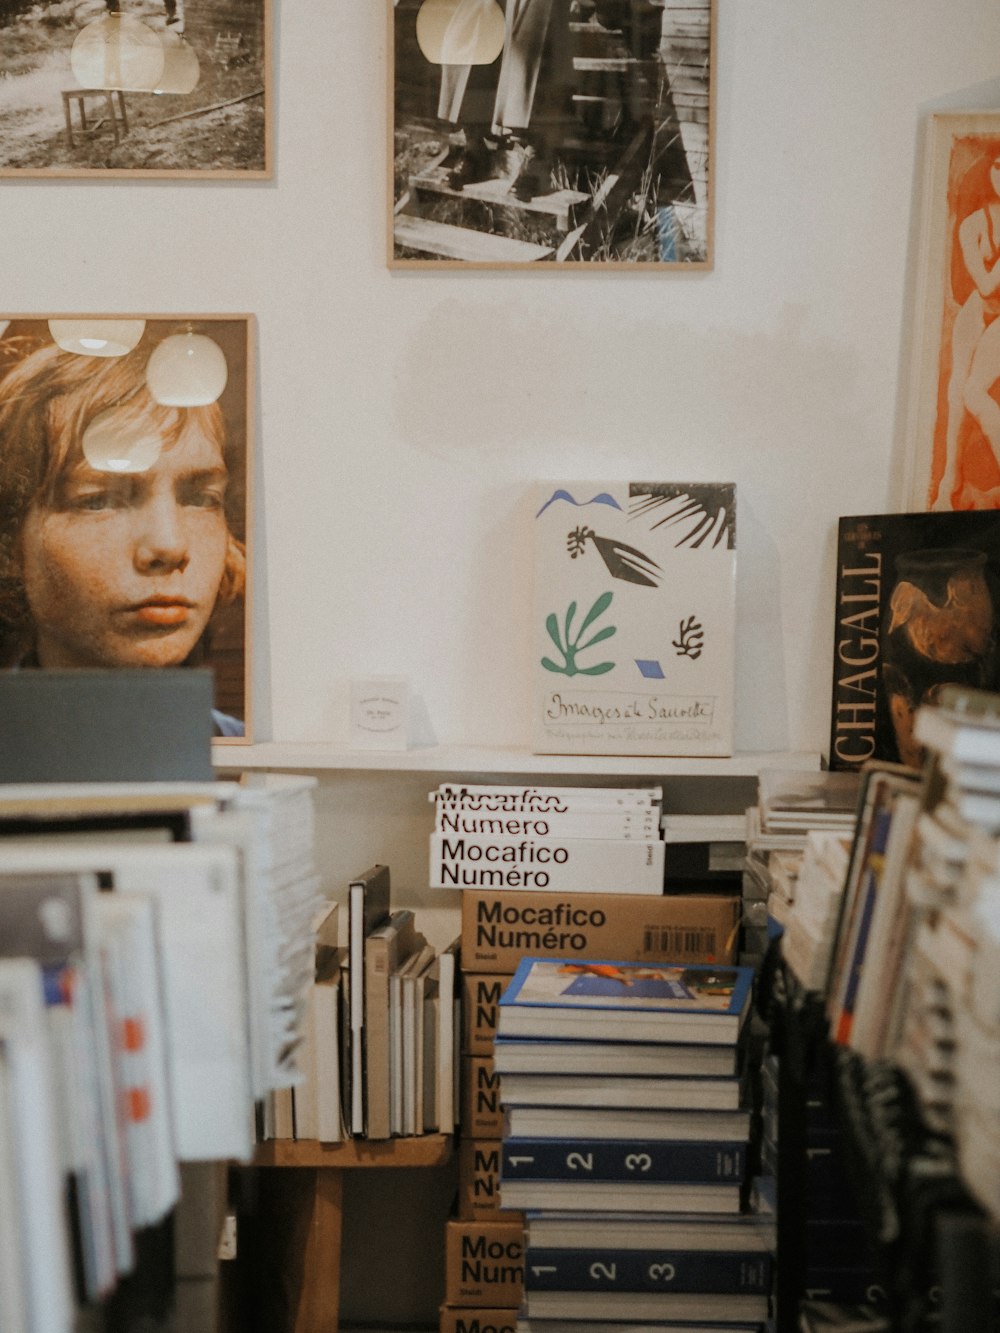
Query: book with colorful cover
(917, 609)
(633, 622)
(624, 1001)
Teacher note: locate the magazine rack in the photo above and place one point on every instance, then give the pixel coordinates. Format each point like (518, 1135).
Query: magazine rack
(937, 1256)
(301, 1206)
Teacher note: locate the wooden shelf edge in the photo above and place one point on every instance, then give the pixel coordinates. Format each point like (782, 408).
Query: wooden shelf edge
(427, 1150)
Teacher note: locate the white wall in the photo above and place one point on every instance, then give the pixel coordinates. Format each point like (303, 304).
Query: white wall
(402, 414)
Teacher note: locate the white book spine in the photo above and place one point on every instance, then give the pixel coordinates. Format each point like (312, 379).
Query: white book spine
(456, 818)
(552, 798)
(36, 1153)
(583, 865)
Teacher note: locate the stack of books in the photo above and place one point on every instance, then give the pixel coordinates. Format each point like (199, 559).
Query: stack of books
(625, 1138)
(811, 921)
(500, 926)
(555, 839)
(379, 1054)
(143, 1010)
(791, 804)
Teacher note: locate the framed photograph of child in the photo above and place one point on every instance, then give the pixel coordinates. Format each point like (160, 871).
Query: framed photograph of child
(952, 416)
(125, 497)
(527, 134)
(136, 88)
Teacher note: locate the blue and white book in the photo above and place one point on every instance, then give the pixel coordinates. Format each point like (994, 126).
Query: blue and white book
(666, 1307)
(624, 1001)
(694, 1093)
(535, 1055)
(642, 1196)
(621, 1159)
(602, 1268)
(748, 1232)
(628, 1122)
(527, 1325)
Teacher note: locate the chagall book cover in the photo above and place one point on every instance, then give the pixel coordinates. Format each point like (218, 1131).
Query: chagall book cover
(917, 608)
(633, 618)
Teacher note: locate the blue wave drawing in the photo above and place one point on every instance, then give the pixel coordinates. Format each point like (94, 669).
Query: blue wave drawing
(603, 499)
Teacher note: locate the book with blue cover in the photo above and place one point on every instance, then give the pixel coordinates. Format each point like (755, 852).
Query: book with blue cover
(623, 1001)
(603, 1268)
(622, 1159)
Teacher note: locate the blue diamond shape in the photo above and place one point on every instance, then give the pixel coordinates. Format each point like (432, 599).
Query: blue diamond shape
(651, 670)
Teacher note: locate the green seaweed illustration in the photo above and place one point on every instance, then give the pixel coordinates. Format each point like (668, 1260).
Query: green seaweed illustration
(569, 647)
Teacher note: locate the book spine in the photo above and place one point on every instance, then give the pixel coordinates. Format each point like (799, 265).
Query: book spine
(547, 798)
(457, 821)
(586, 865)
(481, 993)
(856, 653)
(694, 1093)
(623, 1159)
(499, 928)
(484, 1263)
(857, 946)
(481, 1114)
(459, 1319)
(605, 1269)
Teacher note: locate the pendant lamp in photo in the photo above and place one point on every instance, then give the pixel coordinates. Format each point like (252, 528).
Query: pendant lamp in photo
(460, 32)
(97, 337)
(187, 370)
(115, 443)
(117, 52)
(181, 70)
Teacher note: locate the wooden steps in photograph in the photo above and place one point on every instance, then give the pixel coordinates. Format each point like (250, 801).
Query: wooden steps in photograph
(556, 206)
(450, 242)
(685, 48)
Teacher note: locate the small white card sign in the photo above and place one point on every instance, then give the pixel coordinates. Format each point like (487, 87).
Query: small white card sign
(380, 713)
(634, 618)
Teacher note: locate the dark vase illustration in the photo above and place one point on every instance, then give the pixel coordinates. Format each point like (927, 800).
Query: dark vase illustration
(939, 629)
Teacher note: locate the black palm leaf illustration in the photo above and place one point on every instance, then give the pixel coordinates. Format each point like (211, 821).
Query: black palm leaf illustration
(623, 561)
(702, 515)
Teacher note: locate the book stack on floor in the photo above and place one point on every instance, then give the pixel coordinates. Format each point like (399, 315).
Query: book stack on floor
(625, 1144)
(791, 804)
(146, 1002)
(500, 926)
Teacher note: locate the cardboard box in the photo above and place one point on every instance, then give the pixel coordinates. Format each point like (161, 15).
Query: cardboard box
(481, 1116)
(479, 1181)
(500, 928)
(483, 1264)
(480, 993)
(454, 1319)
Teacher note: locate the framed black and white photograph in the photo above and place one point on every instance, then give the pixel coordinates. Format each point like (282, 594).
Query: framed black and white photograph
(540, 132)
(135, 88)
(125, 497)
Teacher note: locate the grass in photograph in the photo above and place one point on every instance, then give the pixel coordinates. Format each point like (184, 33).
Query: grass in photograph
(220, 125)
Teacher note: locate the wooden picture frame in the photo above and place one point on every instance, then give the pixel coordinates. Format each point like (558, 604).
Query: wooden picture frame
(136, 88)
(587, 142)
(952, 408)
(125, 497)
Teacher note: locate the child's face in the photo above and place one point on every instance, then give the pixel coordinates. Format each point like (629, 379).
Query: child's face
(123, 570)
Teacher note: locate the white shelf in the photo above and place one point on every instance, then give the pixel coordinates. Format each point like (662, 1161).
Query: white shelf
(469, 759)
